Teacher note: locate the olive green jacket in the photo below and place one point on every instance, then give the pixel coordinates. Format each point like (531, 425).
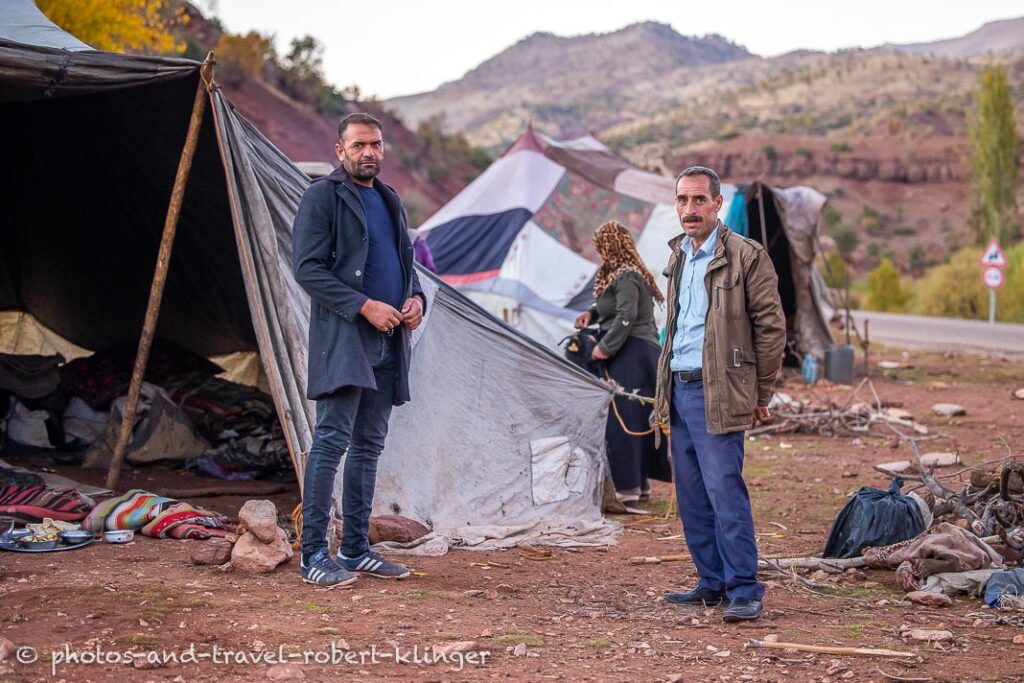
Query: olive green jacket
(625, 309)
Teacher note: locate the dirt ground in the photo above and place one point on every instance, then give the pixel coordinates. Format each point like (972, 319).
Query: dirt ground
(586, 615)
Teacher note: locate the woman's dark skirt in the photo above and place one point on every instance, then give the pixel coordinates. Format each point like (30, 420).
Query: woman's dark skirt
(634, 459)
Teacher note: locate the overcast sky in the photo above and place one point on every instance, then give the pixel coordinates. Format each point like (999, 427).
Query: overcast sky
(402, 47)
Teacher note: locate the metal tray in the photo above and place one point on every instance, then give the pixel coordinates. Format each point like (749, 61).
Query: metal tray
(15, 547)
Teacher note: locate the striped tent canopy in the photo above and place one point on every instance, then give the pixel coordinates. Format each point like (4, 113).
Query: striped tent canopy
(518, 239)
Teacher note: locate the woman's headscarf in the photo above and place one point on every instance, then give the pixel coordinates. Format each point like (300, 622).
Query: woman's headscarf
(617, 248)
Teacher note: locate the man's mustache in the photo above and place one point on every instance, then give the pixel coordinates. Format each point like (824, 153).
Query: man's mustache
(692, 219)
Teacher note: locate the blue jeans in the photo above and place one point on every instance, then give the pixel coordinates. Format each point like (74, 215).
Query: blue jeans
(355, 421)
(713, 501)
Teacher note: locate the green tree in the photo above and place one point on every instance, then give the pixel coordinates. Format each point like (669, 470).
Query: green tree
(885, 293)
(302, 76)
(993, 135)
(846, 239)
(835, 271)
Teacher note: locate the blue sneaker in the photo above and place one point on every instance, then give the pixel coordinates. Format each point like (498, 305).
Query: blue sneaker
(373, 564)
(321, 570)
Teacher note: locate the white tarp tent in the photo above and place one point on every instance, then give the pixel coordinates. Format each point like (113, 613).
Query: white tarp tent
(518, 238)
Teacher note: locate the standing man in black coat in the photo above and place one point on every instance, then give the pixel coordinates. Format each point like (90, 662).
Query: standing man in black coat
(353, 256)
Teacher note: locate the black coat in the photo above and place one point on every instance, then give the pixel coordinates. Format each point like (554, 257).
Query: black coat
(329, 257)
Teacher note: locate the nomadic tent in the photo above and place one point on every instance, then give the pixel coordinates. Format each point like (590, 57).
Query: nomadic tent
(503, 439)
(518, 238)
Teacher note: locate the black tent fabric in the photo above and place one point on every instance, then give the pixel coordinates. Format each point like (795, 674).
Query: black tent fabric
(92, 141)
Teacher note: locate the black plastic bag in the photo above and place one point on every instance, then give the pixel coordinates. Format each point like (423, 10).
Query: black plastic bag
(873, 518)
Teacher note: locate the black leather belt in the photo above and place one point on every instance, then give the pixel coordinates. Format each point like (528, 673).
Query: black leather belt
(689, 375)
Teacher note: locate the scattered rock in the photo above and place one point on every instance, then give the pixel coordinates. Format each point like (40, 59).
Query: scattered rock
(723, 654)
(1019, 394)
(457, 646)
(820, 575)
(926, 635)
(771, 638)
(940, 459)
(889, 365)
(849, 475)
(674, 678)
(856, 575)
(930, 598)
(899, 414)
(285, 672)
(871, 584)
(948, 409)
(212, 551)
(395, 528)
(519, 650)
(260, 517)
(252, 554)
(476, 593)
(1018, 639)
(6, 649)
(146, 663)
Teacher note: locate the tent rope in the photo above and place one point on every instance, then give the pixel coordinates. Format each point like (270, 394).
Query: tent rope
(632, 395)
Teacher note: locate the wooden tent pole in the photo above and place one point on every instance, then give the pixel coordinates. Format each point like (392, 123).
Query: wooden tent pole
(760, 206)
(163, 259)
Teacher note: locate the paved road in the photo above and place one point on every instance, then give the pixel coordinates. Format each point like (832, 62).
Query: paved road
(915, 331)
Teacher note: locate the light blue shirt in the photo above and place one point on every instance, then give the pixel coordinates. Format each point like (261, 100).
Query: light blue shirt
(688, 343)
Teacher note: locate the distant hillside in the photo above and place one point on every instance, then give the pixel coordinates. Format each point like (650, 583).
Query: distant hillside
(571, 84)
(993, 37)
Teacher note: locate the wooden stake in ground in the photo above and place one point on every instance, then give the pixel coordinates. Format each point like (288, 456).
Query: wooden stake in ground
(830, 650)
(163, 259)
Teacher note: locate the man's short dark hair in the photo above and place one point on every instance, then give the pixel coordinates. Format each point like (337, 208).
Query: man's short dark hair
(360, 117)
(715, 181)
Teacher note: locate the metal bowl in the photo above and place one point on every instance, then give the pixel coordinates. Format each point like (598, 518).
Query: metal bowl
(75, 536)
(38, 543)
(118, 535)
(18, 534)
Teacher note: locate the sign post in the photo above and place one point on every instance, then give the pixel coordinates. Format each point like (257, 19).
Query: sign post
(992, 263)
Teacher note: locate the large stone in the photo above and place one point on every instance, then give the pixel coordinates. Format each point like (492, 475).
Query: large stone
(926, 635)
(948, 409)
(395, 528)
(253, 555)
(7, 649)
(930, 598)
(260, 517)
(1019, 394)
(215, 551)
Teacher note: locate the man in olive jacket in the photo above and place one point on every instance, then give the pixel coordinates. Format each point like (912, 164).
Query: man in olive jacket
(353, 256)
(725, 337)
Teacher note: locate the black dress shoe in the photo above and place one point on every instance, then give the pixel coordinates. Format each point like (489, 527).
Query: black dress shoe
(742, 610)
(698, 596)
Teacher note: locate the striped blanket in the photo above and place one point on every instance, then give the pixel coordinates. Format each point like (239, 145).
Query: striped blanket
(157, 517)
(30, 504)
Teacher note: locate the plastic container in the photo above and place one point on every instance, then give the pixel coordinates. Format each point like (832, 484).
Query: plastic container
(839, 364)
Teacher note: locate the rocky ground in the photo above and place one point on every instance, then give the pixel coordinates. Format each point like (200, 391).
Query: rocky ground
(540, 615)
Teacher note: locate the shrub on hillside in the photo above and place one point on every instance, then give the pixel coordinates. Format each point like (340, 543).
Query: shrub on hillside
(885, 292)
(835, 271)
(955, 290)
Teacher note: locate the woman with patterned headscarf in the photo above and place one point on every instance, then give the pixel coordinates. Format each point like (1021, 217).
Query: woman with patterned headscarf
(624, 297)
